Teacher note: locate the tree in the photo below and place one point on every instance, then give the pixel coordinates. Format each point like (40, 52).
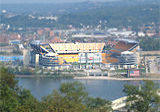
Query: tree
(143, 98)
(7, 91)
(74, 91)
(149, 44)
(98, 104)
(14, 98)
(71, 97)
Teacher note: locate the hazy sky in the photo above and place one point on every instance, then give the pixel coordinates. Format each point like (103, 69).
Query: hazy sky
(47, 1)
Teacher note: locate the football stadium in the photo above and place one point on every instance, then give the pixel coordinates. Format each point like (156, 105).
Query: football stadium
(124, 52)
(54, 54)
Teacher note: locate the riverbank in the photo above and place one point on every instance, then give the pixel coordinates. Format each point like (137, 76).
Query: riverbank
(115, 78)
(34, 76)
(91, 77)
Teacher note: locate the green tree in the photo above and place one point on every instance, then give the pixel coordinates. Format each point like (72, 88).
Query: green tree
(71, 97)
(98, 104)
(143, 98)
(14, 98)
(150, 44)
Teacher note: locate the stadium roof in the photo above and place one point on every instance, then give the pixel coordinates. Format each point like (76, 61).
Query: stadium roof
(77, 47)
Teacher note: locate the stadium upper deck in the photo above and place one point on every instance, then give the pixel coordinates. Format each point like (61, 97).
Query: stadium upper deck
(66, 48)
(121, 46)
(77, 47)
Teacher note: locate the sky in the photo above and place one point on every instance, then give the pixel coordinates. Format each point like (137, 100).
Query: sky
(48, 1)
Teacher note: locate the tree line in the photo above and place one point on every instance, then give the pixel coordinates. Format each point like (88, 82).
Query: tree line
(149, 44)
(117, 14)
(72, 97)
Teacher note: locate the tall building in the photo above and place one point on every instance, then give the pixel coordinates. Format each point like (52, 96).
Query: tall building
(26, 57)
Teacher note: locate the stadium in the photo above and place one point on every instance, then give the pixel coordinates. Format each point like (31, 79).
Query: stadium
(124, 52)
(49, 54)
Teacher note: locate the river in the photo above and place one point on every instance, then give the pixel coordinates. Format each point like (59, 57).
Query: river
(107, 89)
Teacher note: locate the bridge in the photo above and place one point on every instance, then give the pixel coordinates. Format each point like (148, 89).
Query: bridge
(119, 103)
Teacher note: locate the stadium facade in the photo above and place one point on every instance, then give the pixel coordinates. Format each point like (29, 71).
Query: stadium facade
(57, 54)
(124, 53)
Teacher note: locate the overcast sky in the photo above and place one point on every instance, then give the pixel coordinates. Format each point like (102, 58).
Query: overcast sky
(47, 1)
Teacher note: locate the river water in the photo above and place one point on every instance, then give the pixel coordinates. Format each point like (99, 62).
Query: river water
(107, 89)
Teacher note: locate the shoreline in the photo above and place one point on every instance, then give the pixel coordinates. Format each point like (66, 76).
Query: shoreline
(115, 78)
(93, 77)
(34, 76)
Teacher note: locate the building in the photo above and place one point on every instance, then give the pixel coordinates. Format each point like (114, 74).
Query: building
(151, 61)
(58, 54)
(26, 57)
(127, 58)
(141, 34)
(124, 52)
